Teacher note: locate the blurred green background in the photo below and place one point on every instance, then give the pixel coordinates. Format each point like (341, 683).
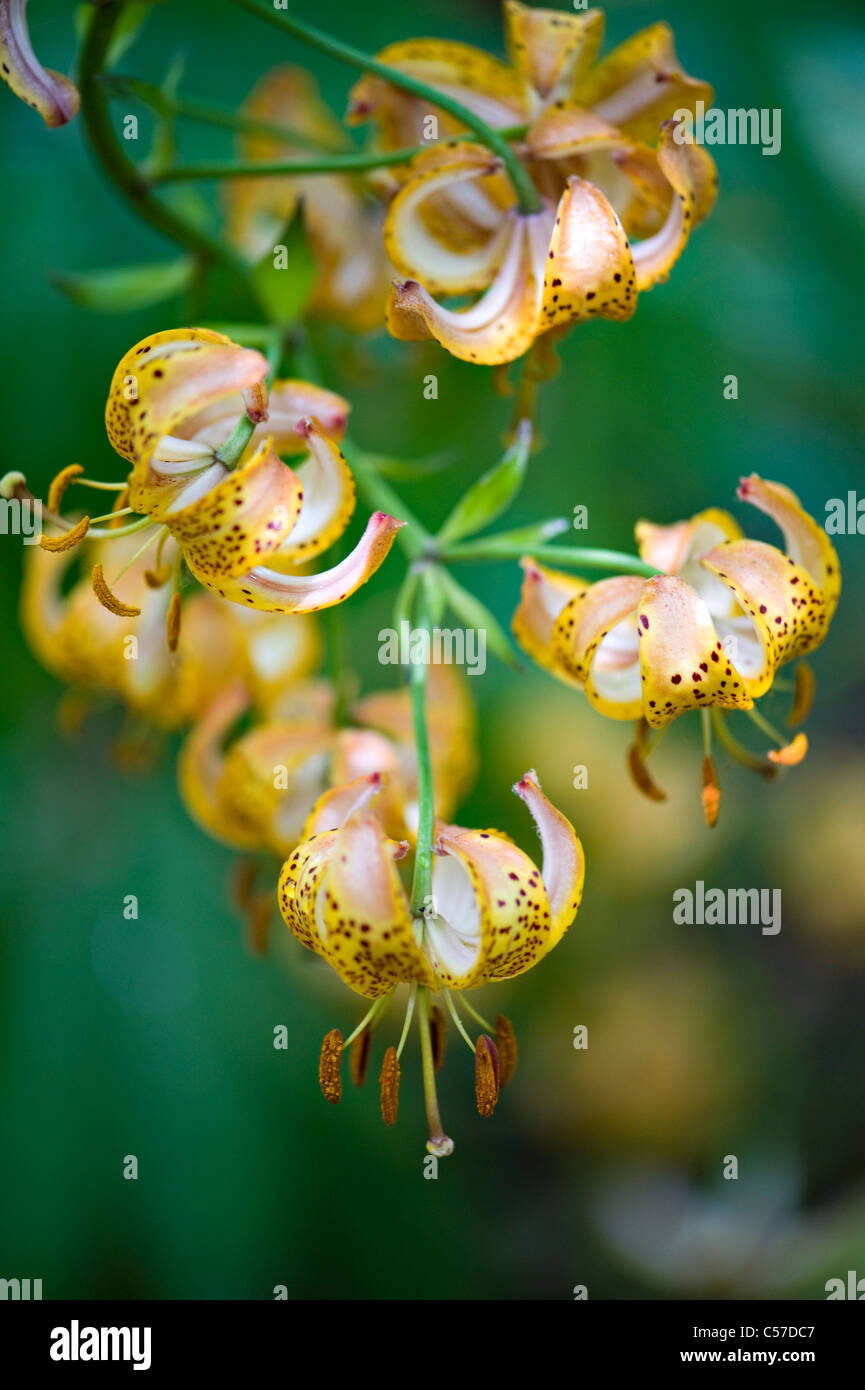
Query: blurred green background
(154, 1037)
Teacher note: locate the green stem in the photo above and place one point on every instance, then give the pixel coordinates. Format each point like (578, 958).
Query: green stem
(527, 194)
(359, 161)
(207, 113)
(421, 888)
(576, 556)
(113, 158)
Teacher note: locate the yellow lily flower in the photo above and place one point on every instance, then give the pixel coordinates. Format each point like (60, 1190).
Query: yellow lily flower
(452, 228)
(289, 773)
(49, 93)
(83, 644)
(711, 630)
(493, 914)
(174, 398)
(343, 225)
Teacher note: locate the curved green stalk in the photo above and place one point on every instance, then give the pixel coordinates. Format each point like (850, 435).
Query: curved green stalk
(527, 194)
(120, 169)
(578, 557)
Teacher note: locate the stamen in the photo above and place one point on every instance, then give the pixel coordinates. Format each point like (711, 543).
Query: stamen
(457, 1020)
(486, 1075)
(172, 622)
(803, 694)
(479, 1018)
(60, 483)
(360, 1055)
(112, 515)
(789, 754)
(711, 787)
(439, 1035)
(131, 561)
(389, 1082)
(792, 753)
(108, 599)
(56, 544)
(640, 773)
(711, 792)
(120, 501)
(328, 1066)
(506, 1045)
(371, 1015)
(409, 1014)
(738, 750)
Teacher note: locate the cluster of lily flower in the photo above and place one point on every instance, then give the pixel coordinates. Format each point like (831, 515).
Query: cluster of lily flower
(206, 434)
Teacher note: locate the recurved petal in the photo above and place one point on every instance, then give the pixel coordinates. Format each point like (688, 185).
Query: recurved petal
(683, 663)
(328, 492)
(782, 601)
(806, 542)
(242, 518)
(551, 49)
(503, 323)
(273, 592)
(159, 383)
(566, 129)
(50, 93)
(363, 914)
(543, 596)
(678, 549)
(272, 776)
(641, 83)
(564, 865)
(595, 639)
(589, 271)
(200, 767)
(424, 247)
(691, 174)
(489, 88)
(491, 915)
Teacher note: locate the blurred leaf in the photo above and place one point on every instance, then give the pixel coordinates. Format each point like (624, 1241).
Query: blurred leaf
(493, 493)
(121, 289)
(476, 614)
(285, 276)
(127, 29)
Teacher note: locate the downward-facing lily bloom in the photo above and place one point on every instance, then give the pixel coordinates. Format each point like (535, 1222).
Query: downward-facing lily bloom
(710, 631)
(84, 645)
(492, 915)
(173, 401)
(49, 93)
(258, 789)
(343, 223)
(621, 188)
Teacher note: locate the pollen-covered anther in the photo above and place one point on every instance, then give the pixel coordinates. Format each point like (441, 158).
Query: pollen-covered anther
(328, 1066)
(803, 694)
(172, 622)
(486, 1075)
(359, 1056)
(438, 1036)
(389, 1082)
(68, 540)
(63, 480)
(506, 1046)
(107, 598)
(792, 753)
(156, 579)
(711, 794)
(255, 403)
(640, 773)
